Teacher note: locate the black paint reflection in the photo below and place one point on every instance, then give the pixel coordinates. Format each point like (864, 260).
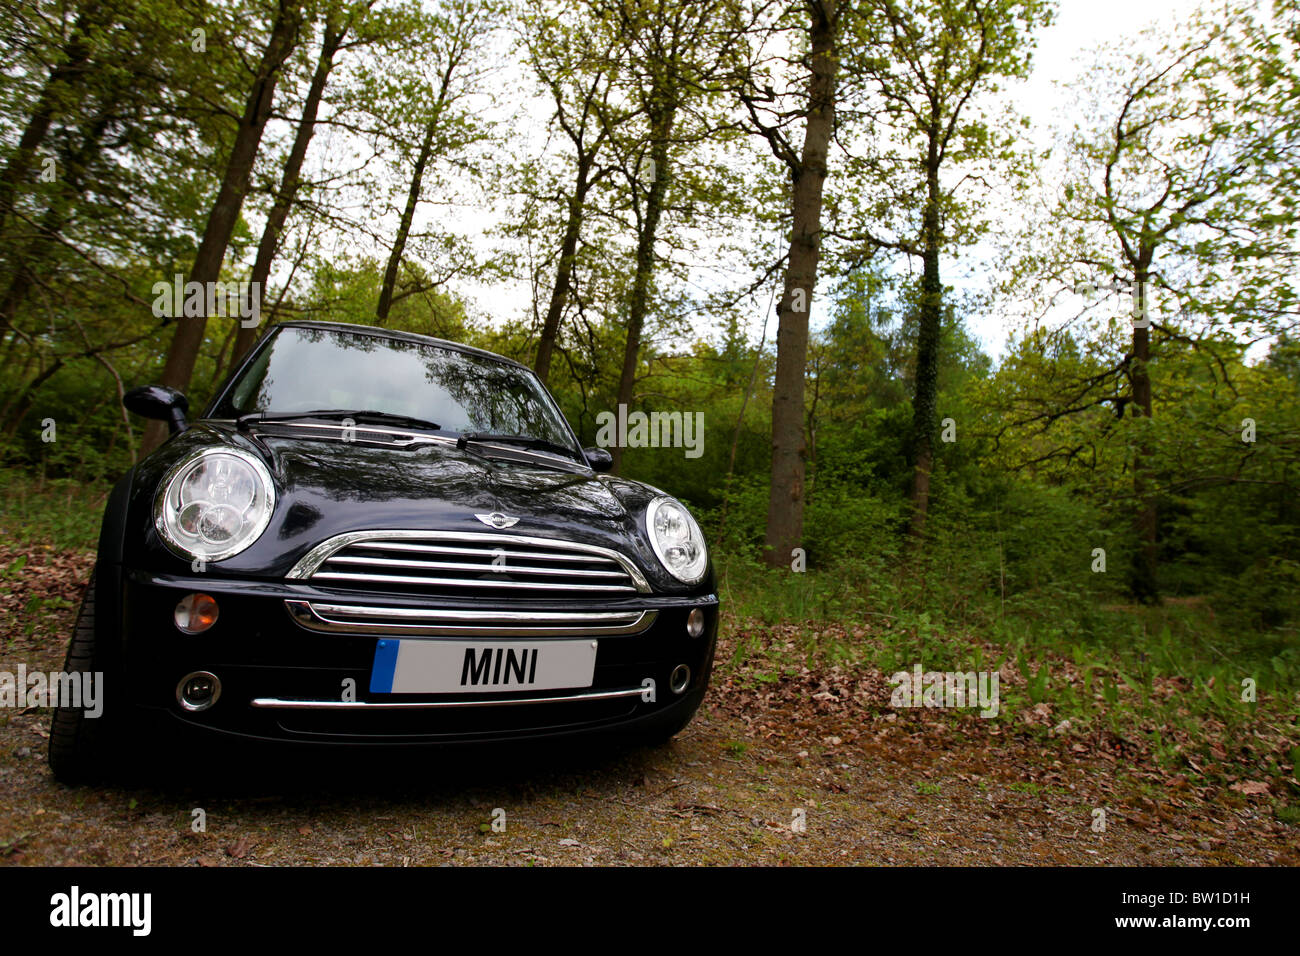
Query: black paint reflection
(439, 475)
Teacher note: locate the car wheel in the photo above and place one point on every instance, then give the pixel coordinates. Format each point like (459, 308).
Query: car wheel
(80, 745)
(663, 734)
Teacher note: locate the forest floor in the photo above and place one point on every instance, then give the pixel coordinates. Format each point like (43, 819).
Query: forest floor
(803, 768)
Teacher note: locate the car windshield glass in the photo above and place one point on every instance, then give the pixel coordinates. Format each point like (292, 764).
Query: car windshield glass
(305, 369)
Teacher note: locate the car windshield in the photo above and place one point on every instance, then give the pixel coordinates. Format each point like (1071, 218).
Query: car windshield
(308, 369)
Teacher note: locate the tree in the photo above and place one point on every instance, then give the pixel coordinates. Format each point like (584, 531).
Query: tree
(119, 161)
(808, 169)
(930, 64)
(458, 29)
(283, 36)
(672, 53)
(339, 21)
(72, 60)
(1179, 186)
(576, 64)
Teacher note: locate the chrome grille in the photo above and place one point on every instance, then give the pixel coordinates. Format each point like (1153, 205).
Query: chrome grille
(465, 564)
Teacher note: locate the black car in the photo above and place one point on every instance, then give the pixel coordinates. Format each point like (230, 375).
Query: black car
(372, 537)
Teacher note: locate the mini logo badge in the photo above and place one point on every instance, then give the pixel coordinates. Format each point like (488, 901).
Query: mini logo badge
(497, 520)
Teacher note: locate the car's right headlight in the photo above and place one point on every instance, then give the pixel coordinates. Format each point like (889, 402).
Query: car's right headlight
(677, 540)
(215, 504)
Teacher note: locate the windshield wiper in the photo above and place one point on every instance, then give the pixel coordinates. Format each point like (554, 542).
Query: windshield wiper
(524, 441)
(356, 415)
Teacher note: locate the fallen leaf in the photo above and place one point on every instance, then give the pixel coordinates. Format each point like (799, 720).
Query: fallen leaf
(1250, 787)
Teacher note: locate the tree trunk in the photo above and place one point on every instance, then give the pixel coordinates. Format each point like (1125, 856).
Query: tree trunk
(563, 270)
(26, 264)
(39, 251)
(404, 227)
(76, 56)
(18, 407)
(786, 496)
(740, 420)
(413, 194)
(925, 395)
(1142, 581)
(645, 267)
(289, 180)
(188, 338)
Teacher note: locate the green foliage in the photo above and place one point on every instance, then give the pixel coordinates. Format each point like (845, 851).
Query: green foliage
(62, 514)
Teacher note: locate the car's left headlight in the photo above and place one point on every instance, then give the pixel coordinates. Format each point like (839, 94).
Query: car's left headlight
(677, 540)
(214, 504)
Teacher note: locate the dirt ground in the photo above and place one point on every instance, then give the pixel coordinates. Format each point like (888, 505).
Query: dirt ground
(758, 778)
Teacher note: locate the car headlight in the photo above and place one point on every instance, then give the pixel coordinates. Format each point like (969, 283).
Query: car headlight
(677, 540)
(214, 504)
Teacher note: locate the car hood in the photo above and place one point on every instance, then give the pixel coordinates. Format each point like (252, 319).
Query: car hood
(426, 485)
(326, 487)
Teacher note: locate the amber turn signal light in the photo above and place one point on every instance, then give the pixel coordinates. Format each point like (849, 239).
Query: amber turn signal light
(195, 613)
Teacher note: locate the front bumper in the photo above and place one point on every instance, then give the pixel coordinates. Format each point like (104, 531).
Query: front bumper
(286, 667)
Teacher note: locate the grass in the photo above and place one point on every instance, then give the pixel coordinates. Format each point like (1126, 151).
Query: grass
(1170, 680)
(848, 615)
(60, 514)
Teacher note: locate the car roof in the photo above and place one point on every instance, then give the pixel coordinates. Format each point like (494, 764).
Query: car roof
(402, 336)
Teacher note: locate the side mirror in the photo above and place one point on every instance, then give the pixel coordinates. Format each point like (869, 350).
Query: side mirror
(160, 402)
(598, 458)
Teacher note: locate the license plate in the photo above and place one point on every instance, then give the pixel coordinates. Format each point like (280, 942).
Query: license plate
(455, 667)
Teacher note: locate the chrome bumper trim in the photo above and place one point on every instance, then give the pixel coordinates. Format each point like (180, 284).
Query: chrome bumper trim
(276, 703)
(443, 622)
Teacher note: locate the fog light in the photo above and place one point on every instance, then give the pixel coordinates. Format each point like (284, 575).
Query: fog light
(695, 622)
(198, 691)
(195, 613)
(680, 679)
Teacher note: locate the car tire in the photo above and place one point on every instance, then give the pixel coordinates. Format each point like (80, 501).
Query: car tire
(662, 734)
(81, 746)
